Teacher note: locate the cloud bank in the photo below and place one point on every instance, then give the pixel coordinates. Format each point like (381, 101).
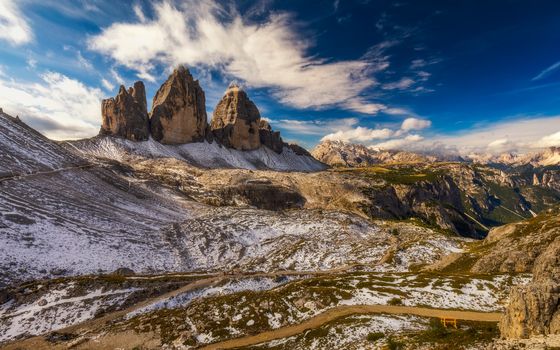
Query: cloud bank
(58, 106)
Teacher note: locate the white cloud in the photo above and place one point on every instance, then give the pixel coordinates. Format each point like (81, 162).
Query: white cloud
(58, 106)
(418, 63)
(397, 144)
(518, 135)
(402, 84)
(552, 140)
(13, 25)
(31, 63)
(359, 134)
(107, 84)
(546, 72)
(415, 124)
(117, 77)
(139, 13)
(269, 54)
(498, 143)
(83, 62)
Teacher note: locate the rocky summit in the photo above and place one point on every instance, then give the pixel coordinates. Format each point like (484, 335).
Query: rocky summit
(270, 138)
(179, 117)
(179, 110)
(236, 118)
(126, 114)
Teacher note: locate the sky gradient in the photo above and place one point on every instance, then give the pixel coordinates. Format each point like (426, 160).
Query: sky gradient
(466, 76)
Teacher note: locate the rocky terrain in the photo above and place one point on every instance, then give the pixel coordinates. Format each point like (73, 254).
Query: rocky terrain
(166, 231)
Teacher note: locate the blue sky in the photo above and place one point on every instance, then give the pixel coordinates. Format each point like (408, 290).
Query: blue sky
(467, 76)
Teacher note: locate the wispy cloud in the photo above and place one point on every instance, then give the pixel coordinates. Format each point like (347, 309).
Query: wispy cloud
(546, 72)
(314, 127)
(14, 27)
(415, 124)
(270, 54)
(402, 84)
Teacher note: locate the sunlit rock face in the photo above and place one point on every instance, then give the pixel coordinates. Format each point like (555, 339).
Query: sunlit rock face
(126, 114)
(236, 119)
(534, 309)
(178, 110)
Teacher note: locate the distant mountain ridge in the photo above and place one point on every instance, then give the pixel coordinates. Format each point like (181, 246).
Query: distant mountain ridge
(345, 154)
(340, 153)
(546, 157)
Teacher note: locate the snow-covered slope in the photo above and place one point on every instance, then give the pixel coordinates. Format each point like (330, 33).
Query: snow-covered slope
(202, 154)
(23, 150)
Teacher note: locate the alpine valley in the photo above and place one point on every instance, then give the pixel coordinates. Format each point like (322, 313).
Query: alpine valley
(169, 231)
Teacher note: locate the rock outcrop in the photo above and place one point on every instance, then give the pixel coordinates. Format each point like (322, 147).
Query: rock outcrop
(236, 119)
(534, 309)
(179, 110)
(126, 114)
(270, 138)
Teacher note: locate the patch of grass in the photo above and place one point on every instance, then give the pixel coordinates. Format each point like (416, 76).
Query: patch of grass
(393, 344)
(468, 333)
(395, 301)
(375, 336)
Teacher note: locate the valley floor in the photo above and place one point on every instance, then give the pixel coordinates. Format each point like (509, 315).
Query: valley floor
(216, 311)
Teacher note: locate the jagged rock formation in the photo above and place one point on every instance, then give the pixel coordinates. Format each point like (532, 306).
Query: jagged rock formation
(178, 116)
(179, 110)
(236, 119)
(269, 138)
(126, 115)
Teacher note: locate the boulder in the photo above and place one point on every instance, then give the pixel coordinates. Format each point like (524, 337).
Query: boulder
(236, 119)
(179, 110)
(126, 114)
(269, 138)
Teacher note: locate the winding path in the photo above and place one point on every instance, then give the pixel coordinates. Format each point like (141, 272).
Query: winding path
(86, 328)
(343, 311)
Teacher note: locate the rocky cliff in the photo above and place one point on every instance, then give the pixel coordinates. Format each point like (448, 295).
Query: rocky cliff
(126, 114)
(236, 119)
(534, 309)
(179, 110)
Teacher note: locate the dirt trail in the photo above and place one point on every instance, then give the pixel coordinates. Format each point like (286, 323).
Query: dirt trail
(86, 328)
(46, 172)
(39, 342)
(343, 311)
